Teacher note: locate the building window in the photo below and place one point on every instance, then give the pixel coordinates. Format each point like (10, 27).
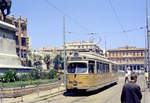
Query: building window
(133, 53)
(86, 46)
(112, 54)
(131, 59)
(123, 53)
(116, 54)
(137, 53)
(70, 53)
(17, 51)
(17, 41)
(23, 41)
(78, 46)
(109, 54)
(141, 53)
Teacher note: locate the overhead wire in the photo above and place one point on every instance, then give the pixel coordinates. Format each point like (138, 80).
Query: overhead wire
(116, 15)
(86, 29)
(66, 15)
(117, 32)
(118, 20)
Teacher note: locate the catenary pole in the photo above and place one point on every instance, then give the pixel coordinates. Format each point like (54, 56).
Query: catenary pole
(148, 39)
(64, 37)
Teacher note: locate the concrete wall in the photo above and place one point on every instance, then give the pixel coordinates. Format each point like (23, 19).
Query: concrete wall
(16, 92)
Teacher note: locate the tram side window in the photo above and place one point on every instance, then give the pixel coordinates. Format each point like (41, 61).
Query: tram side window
(98, 67)
(107, 68)
(101, 68)
(114, 68)
(91, 66)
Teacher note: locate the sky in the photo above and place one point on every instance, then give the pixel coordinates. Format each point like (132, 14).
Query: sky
(107, 19)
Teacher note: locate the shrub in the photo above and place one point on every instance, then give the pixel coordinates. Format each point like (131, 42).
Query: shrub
(10, 76)
(52, 74)
(25, 77)
(43, 75)
(34, 74)
(1, 78)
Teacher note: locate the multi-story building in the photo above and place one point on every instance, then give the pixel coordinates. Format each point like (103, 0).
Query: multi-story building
(80, 46)
(127, 57)
(22, 38)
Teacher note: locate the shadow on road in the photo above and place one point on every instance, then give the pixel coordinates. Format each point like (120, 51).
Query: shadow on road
(77, 93)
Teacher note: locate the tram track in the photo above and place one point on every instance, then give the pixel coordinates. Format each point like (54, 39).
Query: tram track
(45, 97)
(79, 99)
(71, 98)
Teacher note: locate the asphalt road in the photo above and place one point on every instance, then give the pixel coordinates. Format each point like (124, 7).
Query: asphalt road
(109, 94)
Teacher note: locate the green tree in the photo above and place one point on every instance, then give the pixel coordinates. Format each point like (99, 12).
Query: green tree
(34, 74)
(38, 61)
(47, 61)
(58, 62)
(10, 76)
(52, 74)
(25, 77)
(29, 58)
(1, 78)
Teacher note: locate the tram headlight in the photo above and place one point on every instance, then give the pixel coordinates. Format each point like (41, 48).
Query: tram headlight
(75, 82)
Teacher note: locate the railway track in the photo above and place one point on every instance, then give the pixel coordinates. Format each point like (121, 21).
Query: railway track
(45, 97)
(108, 95)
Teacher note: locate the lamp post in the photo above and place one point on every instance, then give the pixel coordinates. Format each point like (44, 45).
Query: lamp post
(64, 37)
(148, 39)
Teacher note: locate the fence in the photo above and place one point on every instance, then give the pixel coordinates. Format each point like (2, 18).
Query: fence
(26, 90)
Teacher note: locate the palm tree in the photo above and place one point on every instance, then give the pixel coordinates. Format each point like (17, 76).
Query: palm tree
(58, 62)
(47, 61)
(29, 58)
(37, 59)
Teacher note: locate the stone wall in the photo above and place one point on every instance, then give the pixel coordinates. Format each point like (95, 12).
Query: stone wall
(18, 92)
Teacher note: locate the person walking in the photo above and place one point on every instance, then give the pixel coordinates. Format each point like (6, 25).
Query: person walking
(126, 77)
(131, 92)
(146, 78)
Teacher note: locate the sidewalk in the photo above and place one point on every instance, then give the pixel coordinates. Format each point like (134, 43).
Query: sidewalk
(144, 89)
(33, 97)
(147, 96)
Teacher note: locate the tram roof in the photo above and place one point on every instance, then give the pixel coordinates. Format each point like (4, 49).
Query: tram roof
(92, 55)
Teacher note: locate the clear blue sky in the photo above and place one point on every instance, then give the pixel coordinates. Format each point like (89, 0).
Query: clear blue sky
(45, 23)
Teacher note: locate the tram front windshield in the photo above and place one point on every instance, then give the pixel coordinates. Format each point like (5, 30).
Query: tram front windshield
(77, 68)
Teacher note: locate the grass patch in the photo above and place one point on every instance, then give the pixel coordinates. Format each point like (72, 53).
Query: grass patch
(27, 83)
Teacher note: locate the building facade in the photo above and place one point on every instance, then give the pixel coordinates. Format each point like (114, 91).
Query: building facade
(80, 46)
(128, 58)
(22, 39)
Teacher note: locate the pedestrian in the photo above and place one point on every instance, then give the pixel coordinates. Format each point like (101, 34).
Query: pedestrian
(131, 92)
(146, 78)
(126, 77)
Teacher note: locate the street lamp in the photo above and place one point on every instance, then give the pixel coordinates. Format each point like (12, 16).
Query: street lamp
(148, 39)
(64, 37)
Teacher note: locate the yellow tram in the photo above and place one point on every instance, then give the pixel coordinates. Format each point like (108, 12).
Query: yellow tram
(90, 71)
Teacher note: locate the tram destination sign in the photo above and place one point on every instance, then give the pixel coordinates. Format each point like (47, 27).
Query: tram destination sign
(75, 58)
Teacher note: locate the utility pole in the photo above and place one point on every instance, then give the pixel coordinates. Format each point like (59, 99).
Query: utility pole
(145, 56)
(148, 39)
(105, 45)
(64, 37)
